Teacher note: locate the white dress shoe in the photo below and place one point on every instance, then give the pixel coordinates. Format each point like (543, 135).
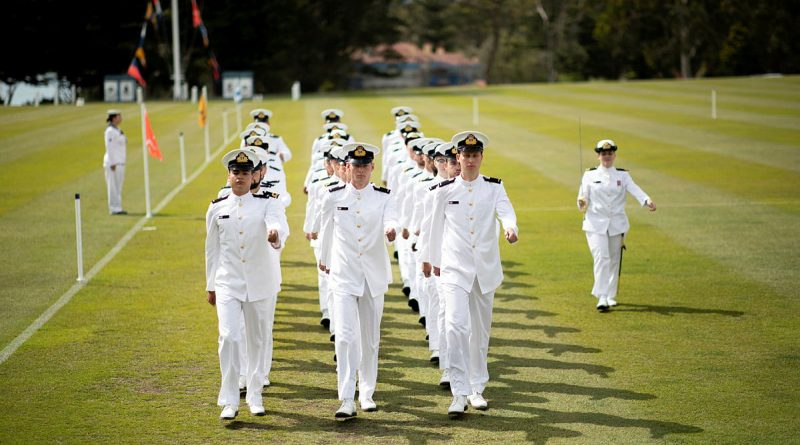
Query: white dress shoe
(348, 409)
(458, 406)
(478, 402)
(611, 301)
(602, 304)
(368, 405)
(257, 410)
(229, 412)
(445, 380)
(266, 382)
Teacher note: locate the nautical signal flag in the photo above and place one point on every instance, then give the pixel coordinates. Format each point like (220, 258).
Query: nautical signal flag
(196, 20)
(150, 138)
(202, 109)
(133, 71)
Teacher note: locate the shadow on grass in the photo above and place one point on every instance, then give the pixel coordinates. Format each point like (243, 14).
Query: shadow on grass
(673, 310)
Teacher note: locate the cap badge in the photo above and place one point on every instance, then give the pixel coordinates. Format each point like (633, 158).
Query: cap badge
(401, 113)
(332, 115)
(242, 158)
(258, 142)
(360, 152)
(261, 115)
(606, 146)
(253, 133)
(471, 140)
(408, 128)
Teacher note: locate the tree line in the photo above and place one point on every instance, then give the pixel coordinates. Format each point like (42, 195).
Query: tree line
(516, 40)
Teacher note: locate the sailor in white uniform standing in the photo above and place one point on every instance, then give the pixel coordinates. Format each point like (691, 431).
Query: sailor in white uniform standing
(358, 217)
(602, 196)
(243, 278)
(465, 255)
(114, 161)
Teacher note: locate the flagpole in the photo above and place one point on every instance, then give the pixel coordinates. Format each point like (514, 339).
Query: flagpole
(176, 60)
(146, 167)
(205, 128)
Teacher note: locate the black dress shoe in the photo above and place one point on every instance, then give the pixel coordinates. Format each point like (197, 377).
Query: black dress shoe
(406, 291)
(413, 304)
(422, 321)
(333, 337)
(334, 358)
(396, 256)
(326, 323)
(121, 212)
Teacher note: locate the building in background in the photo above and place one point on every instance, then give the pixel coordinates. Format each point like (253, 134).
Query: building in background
(404, 65)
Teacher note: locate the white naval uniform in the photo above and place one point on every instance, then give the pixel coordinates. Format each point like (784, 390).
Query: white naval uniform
(246, 277)
(435, 327)
(353, 247)
(605, 222)
(464, 244)
(311, 224)
(282, 147)
(116, 142)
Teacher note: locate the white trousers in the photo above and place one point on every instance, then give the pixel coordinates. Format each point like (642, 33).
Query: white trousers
(432, 313)
(114, 181)
(422, 288)
(358, 325)
(442, 334)
(468, 323)
(256, 317)
(405, 262)
(606, 251)
(322, 286)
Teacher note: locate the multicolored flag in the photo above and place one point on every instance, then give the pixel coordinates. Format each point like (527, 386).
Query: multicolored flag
(196, 20)
(150, 137)
(133, 71)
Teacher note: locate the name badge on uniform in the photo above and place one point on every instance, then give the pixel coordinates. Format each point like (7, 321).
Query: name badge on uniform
(452, 202)
(342, 208)
(224, 216)
(597, 182)
(619, 183)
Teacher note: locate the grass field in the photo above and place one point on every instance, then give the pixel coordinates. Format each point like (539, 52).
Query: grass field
(702, 349)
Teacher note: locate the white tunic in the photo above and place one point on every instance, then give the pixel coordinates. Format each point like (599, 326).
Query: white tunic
(463, 236)
(353, 243)
(238, 263)
(604, 190)
(115, 147)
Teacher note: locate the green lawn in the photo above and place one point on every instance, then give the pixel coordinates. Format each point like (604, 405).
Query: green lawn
(702, 349)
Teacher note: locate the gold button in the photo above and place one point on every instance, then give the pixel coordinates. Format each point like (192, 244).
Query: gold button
(241, 233)
(471, 218)
(470, 203)
(469, 189)
(242, 246)
(243, 260)
(358, 226)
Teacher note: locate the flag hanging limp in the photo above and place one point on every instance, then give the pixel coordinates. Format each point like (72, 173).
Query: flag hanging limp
(152, 143)
(133, 71)
(202, 109)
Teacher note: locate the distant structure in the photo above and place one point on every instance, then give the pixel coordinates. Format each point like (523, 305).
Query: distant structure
(404, 65)
(237, 80)
(119, 88)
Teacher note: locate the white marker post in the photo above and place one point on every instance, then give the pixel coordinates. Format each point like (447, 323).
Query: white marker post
(238, 118)
(714, 104)
(183, 158)
(225, 126)
(146, 167)
(206, 138)
(474, 110)
(296, 90)
(78, 237)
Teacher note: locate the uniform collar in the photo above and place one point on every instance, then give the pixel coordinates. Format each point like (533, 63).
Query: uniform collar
(246, 197)
(460, 179)
(602, 169)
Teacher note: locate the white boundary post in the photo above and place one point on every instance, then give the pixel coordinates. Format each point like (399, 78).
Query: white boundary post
(78, 236)
(146, 168)
(206, 138)
(183, 158)
(713, 104)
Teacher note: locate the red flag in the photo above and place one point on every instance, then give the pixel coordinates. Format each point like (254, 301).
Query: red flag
(196, 20)
(152, 144)
(133, 71)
